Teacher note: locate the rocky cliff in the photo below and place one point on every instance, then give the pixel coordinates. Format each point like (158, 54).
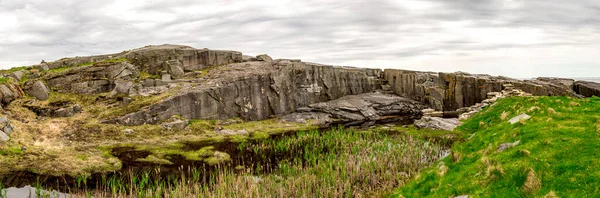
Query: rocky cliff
(451, 91)
(162, 99)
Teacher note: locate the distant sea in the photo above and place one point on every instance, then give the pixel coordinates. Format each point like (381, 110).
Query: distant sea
(596, 79)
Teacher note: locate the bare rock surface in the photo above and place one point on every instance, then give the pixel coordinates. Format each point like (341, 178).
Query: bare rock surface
(519, 118)
(358, 109)
(447, 124)
(258, 90)
(451, 91)
(587, 89)
(36, 89)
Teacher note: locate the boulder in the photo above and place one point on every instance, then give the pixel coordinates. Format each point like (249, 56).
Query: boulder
(363, 109)
(122, 87)
(587, 89)
(175, 68)
(36, 89)
(10, 92)
(5, 129)
(447, 124)
(17, 75)
(264, 57)
(42, 67)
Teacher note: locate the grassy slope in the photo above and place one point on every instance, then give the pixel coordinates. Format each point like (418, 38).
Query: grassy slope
(558, 153)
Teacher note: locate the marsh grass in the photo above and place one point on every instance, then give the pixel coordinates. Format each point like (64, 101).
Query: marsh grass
(335, 163)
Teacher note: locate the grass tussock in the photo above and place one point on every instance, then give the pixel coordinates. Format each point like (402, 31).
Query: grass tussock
(556, 157)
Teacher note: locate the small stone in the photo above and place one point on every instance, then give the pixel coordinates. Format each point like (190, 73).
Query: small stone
(4, 137)
(178, 124)
(128, 131)
(519, 118)
(505, 146)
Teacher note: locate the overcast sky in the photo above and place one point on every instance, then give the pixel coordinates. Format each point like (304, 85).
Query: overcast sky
(517, 38)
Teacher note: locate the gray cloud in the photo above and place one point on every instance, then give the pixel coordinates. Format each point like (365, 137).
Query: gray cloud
(447, 35)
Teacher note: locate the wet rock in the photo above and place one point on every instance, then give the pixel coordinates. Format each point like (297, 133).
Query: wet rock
(587, 89)
(36, 89)
(505, 146)
(264, 57)
(447, 124)
(519, 118)
(177, 124)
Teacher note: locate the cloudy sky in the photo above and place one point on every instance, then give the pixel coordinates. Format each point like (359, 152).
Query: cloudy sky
(517, 38)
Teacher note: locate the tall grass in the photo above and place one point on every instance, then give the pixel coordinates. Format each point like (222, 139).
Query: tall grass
(336, 163)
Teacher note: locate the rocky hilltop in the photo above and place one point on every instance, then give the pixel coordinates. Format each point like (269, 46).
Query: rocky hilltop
(167, 96)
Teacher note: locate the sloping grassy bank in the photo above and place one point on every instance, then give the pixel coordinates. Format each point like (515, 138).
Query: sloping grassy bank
(557, 153)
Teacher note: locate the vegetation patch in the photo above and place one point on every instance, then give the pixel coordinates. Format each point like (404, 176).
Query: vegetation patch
(556, 155)
(334, 163)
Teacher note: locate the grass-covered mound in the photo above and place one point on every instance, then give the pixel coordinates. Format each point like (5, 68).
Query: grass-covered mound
(558, 153)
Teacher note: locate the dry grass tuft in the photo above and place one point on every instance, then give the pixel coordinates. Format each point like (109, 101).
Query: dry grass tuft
(574, 104)
(551, 194)
(551, 111)
(532, 182)
(504, 115)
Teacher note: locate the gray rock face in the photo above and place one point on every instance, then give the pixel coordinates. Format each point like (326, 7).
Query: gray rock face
(36, 89)
(587, 89)
(151, 58)
(175, 68)
(257, 90)
(122, 87)
(10, 92)
(264, 57)
(17, 75)
(5, 129)
(366, 108)
(451, 91)
(98, 78)
(55, 109)
(447, 124)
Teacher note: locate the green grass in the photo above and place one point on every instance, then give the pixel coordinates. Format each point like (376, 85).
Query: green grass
(557, 155)
(334, 163)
